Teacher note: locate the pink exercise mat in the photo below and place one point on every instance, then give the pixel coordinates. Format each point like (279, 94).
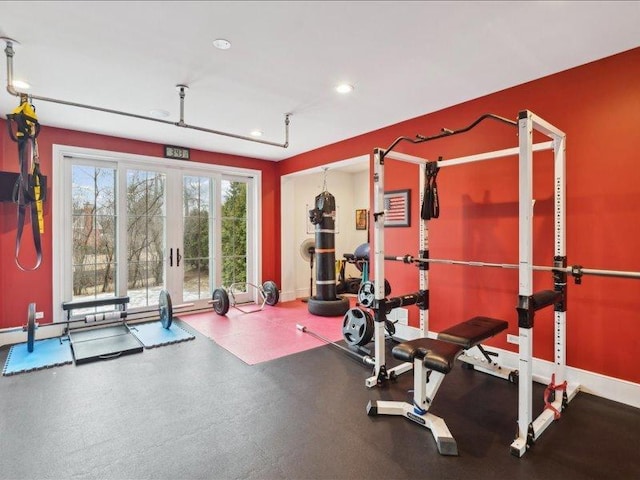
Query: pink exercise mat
(268, 334)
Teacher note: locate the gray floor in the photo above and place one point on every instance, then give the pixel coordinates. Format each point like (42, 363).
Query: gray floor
(193, 410)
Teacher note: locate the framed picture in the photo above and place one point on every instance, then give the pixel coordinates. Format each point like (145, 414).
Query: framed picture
(397, 208)
(362, 218)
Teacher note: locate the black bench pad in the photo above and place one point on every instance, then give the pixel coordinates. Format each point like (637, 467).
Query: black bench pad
(472, 332)
(435, 354)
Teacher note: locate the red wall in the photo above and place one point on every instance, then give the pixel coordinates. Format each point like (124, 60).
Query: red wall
(27, 287)
(598, 106)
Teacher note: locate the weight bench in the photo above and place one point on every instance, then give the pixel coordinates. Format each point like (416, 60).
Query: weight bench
(432, 360)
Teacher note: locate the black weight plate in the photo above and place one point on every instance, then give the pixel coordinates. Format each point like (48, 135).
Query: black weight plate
(220, 301)
(366, 294)
(272, 295)
(357, 327)
(31, 327)
(165, 308)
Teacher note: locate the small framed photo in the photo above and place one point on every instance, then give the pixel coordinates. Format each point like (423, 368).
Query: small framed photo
(397, 208)
(362, 218)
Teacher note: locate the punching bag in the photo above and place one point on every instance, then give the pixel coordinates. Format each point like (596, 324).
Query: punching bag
(325, 303)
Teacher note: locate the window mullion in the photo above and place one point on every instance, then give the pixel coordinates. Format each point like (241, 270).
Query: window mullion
(122, 271)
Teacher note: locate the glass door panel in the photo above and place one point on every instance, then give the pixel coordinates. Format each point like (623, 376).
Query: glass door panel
(93, 224)
(233, 233)
(146, 219)
(197, 224)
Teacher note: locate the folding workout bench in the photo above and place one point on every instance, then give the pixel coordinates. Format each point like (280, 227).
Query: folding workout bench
(432, 359)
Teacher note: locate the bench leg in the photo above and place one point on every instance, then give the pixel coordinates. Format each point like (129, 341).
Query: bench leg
(478, 361)
(444, 440)
(423, 395)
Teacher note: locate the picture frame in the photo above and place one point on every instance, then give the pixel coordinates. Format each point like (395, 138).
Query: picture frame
(397, 208)
(362, 219)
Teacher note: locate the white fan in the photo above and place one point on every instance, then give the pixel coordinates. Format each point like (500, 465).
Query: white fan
(307, 249)
(307, 252)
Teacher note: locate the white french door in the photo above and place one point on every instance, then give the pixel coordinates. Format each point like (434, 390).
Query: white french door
(214, 203)
(132, 226)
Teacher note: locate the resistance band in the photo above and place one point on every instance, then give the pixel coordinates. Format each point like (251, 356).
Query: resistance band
(28, 189)
(550, 391)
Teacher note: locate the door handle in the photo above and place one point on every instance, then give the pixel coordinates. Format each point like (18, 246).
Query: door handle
(178, 257)
(171, 257)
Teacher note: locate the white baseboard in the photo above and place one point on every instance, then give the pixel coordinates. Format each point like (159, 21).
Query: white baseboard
(11, 338)
(290, 296)
(615, 389)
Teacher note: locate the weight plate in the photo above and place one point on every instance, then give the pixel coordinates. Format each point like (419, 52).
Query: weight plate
(166, 309)
(272, 294)
(31, 327)
(367, 294)
(357, 327)
(390, 327)
(220, 301)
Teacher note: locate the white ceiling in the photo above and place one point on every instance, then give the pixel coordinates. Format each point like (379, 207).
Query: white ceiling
(405, 58)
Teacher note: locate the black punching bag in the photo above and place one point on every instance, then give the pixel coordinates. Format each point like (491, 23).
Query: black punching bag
(325, 303)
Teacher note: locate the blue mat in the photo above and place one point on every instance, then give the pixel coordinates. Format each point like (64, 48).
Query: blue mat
(46, 354)
(153, 334)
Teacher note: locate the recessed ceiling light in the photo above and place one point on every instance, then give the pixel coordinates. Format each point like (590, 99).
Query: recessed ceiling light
(256, 133)
(20, 84)
(159, 113)
(344, 88)
(222, 44)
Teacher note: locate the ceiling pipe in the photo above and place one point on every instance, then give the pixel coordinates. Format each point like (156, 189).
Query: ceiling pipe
(181, 89)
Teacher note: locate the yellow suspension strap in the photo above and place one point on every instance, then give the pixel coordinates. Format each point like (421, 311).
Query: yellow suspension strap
(36, 185)
(339, 264)
(24, 128)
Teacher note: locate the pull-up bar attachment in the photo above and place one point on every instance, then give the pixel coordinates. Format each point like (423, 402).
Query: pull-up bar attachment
(181, 89)
(446, 132)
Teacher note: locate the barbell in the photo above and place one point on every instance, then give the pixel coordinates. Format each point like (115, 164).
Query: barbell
(165, 311)
(366, 359)
(577, 271)
(222, 298)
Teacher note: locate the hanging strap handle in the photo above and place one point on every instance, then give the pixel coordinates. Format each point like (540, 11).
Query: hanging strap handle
(28, 188)
(430, 199)
(25, 120)
(29, 193)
